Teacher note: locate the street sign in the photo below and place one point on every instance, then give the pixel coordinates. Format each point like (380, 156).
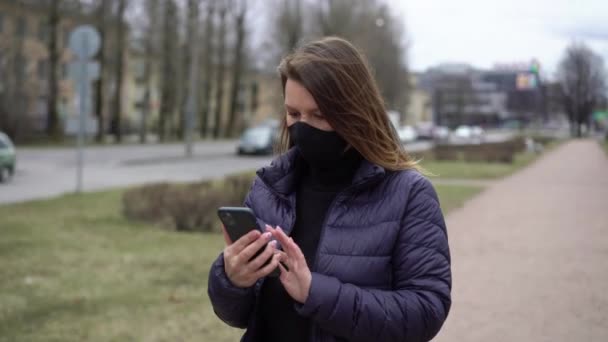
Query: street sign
(92, 71)
(85, 41)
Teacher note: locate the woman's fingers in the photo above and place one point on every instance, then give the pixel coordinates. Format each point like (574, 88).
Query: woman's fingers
(284, 271)
(284, 258)
(266, 270)
(292, 249)
(226, 237)
(297, 251)
(284, 240)
(251, 250)
(244, 241)
(261, 259)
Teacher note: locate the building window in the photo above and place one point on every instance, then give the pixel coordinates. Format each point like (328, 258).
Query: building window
(20, 65)
(1, 22)
(43, 31)
(21, 27)
(43, 69)
(64, 71)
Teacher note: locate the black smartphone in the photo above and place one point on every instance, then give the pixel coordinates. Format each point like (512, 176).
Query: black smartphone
(239, 221)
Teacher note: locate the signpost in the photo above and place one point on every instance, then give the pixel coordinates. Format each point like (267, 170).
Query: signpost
(84, 43)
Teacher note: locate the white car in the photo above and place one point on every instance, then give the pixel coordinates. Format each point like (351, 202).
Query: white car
(477, 132)
(463, 133)
(441, 133)
(407, 134)
(468, 134)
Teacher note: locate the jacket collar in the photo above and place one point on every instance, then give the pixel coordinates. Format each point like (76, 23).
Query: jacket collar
(281, 176)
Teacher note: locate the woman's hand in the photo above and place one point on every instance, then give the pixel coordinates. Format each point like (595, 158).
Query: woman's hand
(241, 269)
(297, 279)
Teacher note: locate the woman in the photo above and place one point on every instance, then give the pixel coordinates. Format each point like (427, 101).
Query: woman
(364, 253)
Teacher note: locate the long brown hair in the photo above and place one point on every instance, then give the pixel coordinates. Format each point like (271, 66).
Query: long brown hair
(339, 79)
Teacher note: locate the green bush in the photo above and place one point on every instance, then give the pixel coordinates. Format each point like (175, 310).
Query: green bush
(185, 207)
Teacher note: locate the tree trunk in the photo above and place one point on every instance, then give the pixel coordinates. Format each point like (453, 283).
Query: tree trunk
(237, 69)
(167, 106)
(152, 17)
(192, 101)
(219, 94)
(120, 42)
(99, 89)
(186, 65)
(205, 108)
(14, 99)
(52, 127)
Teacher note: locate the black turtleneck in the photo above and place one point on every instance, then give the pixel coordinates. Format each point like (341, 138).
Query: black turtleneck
(316, 190)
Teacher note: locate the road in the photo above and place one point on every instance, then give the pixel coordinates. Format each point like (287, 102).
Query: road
(47, 172)
(43, 173)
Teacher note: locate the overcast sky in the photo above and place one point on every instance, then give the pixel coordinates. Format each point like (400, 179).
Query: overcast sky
(485, 32)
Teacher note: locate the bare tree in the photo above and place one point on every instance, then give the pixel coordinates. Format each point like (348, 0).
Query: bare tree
(14, 97)
(582, 77)
(186, 65)
(192, 100)
(367, 23)
(150, 51)
(288, 29)
(341, 17)
(208, 60)
(116, 125)
(237, 65)
(103, 7)
(221, 55)
(52, 126)
(169, 42)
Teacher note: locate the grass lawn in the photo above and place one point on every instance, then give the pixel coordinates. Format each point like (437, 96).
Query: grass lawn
(73, 269)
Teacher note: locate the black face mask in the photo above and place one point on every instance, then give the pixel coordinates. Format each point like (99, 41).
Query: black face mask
(321, 149)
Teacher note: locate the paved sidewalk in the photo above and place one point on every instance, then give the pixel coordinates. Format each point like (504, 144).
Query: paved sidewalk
(530, 254)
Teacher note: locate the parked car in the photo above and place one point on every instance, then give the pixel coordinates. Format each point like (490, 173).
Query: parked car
(258, 140)
(424, 130)
(441, 133)
(468, 134)
(407, 134)
(7, 158)
(463, 133)
(478, 132)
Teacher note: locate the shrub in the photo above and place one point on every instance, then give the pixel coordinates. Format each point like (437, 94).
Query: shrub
(487, 152)
(186, 207)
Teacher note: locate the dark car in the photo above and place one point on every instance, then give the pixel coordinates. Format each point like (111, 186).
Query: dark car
(7, 158)
(258, 140)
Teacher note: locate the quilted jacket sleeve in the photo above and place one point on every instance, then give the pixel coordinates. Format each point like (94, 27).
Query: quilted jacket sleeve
(420, 300)
(231, 304)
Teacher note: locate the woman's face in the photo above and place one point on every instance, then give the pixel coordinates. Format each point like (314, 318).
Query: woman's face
(301, 106)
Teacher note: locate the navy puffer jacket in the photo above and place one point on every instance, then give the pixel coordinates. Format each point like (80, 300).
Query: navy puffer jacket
(382, 270)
